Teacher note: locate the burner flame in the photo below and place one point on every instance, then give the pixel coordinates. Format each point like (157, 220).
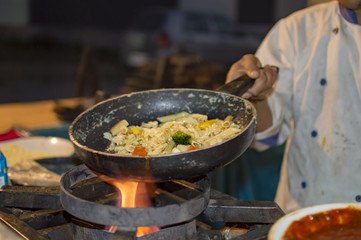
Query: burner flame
(133, 195)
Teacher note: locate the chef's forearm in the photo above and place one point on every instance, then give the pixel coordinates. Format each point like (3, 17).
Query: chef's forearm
(264, 115)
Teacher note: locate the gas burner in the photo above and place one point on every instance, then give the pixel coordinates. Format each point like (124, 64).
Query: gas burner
(176, 201)
(83, 206)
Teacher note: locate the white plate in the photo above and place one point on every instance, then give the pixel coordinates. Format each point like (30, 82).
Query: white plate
(50, 146)
(279, 228)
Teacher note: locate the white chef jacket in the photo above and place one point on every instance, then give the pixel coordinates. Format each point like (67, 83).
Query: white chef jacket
(316, 106)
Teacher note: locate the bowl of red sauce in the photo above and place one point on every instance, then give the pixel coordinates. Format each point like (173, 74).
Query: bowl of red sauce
(321, 222)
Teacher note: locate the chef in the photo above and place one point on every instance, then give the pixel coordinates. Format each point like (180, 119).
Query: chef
(313, 103)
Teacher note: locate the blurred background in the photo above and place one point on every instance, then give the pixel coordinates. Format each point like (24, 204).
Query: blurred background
(52, 50)
(61, 49)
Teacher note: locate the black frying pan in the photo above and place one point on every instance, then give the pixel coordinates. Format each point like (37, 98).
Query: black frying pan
(86, 133)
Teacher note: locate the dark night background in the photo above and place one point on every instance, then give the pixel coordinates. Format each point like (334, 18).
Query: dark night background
(40, 59)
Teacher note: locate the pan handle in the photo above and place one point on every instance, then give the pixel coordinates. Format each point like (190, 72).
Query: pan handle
(238, 86)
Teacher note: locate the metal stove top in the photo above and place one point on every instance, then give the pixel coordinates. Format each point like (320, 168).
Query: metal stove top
(83, 205)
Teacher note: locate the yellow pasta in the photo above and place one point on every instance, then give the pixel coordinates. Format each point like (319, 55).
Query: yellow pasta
(156, 138)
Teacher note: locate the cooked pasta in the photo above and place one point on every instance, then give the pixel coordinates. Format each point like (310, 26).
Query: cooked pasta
(155, 138)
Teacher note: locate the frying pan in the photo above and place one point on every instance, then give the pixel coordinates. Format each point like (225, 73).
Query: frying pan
(86, 133)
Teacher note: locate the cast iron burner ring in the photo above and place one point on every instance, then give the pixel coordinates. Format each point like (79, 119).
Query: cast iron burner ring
(103, 214)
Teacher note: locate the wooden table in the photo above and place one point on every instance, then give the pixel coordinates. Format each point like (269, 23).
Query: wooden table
(33, 114)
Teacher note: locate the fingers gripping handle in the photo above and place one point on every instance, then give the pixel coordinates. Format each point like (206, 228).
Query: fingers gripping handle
(240, 85)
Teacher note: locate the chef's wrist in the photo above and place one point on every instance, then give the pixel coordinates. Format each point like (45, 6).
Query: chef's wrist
(264, 114)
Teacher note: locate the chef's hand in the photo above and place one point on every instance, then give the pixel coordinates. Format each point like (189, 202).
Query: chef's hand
(265, 78)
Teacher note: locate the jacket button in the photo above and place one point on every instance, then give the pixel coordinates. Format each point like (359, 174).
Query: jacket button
(358, 198)
(323, 82)
(303, 184)
(335, 30)
(314, 133)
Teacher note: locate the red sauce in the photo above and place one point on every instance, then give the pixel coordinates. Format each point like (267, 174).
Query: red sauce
(341, 224)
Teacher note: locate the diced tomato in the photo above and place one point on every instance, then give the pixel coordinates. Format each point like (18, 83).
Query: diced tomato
(192, 148)
(139, 151)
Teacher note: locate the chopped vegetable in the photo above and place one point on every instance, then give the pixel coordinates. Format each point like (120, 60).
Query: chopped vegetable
(118, 127)
(206, 124)
(108, 135)
(136, 130)
(192, 148)
(139, 151)
(172, 117)
(181, 138)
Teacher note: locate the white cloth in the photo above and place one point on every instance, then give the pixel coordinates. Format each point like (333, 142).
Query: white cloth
(319, 90)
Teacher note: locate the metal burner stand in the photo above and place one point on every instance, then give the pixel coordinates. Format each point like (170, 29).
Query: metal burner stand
(189, 202)
(184, 210)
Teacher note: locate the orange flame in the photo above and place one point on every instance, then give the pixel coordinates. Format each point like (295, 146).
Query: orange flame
(132, 195)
